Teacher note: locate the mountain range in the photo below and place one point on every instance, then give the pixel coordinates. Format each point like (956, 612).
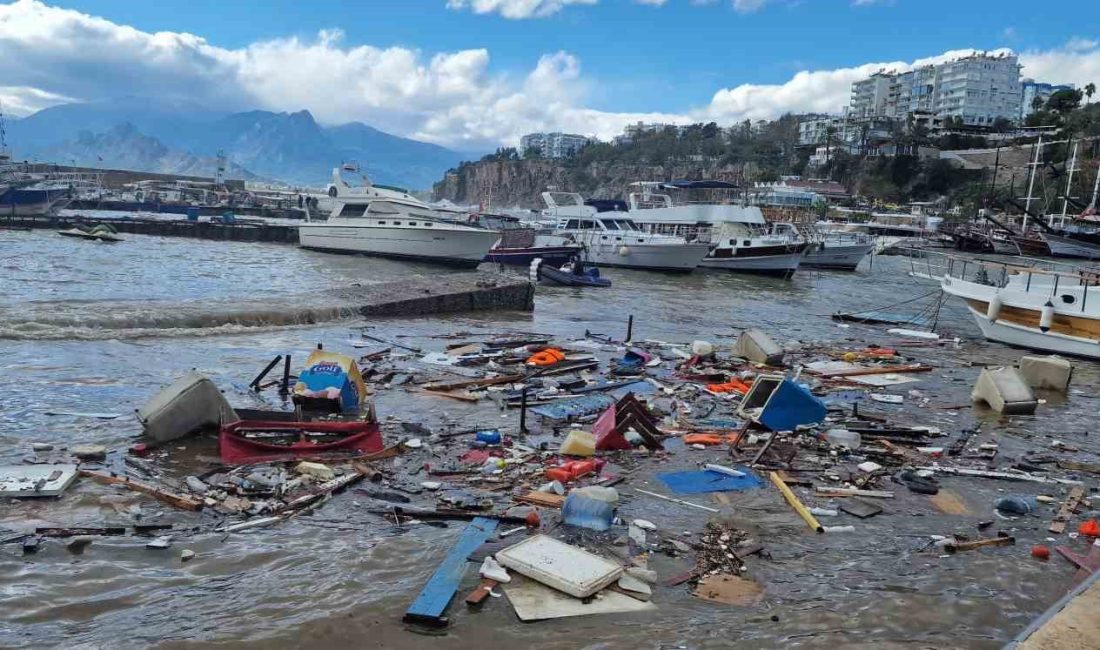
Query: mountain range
(176, 137)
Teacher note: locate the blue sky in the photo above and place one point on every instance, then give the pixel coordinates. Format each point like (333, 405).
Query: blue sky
(609, 61)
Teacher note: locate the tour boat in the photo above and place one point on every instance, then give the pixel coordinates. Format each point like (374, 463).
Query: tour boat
(389, 222)
(1046, 308)
(739, 238)
(611, 238)
(837, 251)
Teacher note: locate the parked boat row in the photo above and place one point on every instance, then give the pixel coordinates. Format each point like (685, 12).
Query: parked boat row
(649, 231)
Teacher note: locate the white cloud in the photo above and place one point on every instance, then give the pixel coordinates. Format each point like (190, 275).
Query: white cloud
(518, 9)
(50, 55)
(748, 6)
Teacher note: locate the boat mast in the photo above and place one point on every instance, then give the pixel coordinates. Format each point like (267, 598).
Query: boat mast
(1095, 190)
(1031, 180)
(4, 154)
(1069, 182)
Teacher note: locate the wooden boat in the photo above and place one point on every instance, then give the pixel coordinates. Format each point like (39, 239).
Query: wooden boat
(259, 441)
(589, 275)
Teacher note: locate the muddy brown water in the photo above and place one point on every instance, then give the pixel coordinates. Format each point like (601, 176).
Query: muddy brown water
(344, 577)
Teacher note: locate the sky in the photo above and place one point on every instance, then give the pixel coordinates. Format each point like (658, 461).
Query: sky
(473, 74)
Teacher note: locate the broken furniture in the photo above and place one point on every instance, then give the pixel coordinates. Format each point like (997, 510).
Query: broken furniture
(1005, 391)
(780, 404)
(188, 404)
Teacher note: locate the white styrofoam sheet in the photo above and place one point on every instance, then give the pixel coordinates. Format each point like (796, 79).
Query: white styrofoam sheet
(867, 380)
(537, 602)
(562, 566)
(20, 480)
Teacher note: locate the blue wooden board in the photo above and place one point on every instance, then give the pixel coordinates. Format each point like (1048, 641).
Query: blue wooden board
(696, 482)
(436, 595)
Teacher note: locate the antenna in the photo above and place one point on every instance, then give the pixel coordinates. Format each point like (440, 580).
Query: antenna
(3, 134)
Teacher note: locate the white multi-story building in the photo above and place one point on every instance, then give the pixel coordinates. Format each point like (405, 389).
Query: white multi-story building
(553, 145)
(814, 130)
(977, 89)
(1030, 89)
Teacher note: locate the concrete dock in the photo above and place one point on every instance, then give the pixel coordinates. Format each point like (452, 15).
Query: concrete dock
(1071, 624)
(251, 230)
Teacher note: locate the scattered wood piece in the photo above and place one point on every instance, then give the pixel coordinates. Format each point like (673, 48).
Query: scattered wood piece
(429, 606)
(681, 578)
(793, 501)
(176, 499)
(1069, 506)
(979, 543)
(729, 590)
(544, 499)
(859, 508)
(1079, 467)
(949, 503)
(1080, 561)
(79, 530)
(1008, 476)
(478, 595)
(852, 492)
(791, 479)
(680, 501)
(446, 386)
(462, 397)
(856, 372)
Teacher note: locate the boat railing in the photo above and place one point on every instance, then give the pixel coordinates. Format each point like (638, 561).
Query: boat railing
(1034, 274)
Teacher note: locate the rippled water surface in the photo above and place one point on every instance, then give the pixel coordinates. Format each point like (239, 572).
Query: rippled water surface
(96, 328)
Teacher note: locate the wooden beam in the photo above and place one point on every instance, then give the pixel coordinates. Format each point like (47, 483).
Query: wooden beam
(472, 383)
(858, 372)
(167, 496)
(1069, 506)
(429, 607)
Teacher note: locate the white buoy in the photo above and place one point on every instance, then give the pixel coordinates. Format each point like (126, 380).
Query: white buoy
(1046, 317)
(994, 308)
(624, 251)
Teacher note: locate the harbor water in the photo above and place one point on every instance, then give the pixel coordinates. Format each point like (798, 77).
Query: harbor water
(91, 330)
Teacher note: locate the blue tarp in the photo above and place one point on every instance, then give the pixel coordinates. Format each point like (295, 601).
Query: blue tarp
(696, 482)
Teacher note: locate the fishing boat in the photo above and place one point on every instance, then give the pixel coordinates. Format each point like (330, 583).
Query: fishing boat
(1045, 306)
(574, 274)
(836, 251)
(521, 246)
(611, 238)
(739, 237)
(389, 222)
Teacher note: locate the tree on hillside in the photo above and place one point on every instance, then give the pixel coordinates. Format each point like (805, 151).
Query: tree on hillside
(1002, 125)
(1090, 90)
(1064, 101)
(1036, 103)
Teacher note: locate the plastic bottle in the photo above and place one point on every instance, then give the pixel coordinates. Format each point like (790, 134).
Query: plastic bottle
(842, 438)
(579, 443)
(572, 470)
(582, 510)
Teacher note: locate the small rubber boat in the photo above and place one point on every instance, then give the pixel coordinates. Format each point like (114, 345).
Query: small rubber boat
(100, 232)
(588, 275)
(259, 441)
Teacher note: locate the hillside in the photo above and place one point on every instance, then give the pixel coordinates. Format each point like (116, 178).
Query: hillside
(291, 147)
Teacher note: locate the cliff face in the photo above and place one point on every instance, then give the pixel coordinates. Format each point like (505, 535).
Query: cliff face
(519, 183)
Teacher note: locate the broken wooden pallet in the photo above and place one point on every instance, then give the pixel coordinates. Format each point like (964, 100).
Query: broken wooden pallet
(1069, 506)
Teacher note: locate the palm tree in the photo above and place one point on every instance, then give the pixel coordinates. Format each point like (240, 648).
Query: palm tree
(1037, 103)
(1090, 90)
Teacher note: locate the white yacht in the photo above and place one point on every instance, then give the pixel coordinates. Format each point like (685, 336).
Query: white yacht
(738, 236)
(389, 222)
(612, 239)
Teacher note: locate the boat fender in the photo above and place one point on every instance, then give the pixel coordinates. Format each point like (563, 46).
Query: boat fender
(332, 191)
(533, 272)
(1046, 317)
(994, 309)
(624, 251)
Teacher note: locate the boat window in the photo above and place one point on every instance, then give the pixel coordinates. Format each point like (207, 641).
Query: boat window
(427, 224)
(733, 242)
(572, 224)
(748, 242)
(397, 223)
(1068, 299)
(604, 237)
(609, 224)
(350, 210)
(412, 223)
(587, 224)
(381, 222)
(627, 224)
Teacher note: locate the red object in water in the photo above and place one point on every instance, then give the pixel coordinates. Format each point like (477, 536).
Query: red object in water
(290, 440)
(1041, 552)
(572, 470)
(1090, 528)
(140, 449)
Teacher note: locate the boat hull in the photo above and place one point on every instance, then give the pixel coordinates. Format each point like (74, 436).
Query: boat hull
(673, 258)
(1061, 246)
(345, 438)
(25, 202)
(1021, 335)
(556, 255)
(1031, 246)
(448, 247)
(780, 266)
(839, 258)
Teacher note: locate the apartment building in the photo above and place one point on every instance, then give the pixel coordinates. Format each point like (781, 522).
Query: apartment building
(553, 145)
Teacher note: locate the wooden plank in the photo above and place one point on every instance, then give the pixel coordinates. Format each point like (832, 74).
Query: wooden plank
(860, 508)
(462, 397)
(472, 383)
(545, 499)
(979, 543)
(1069, 506)
(857, 372)
(852, 492)
(478, 595)
(167, 496)
(429, 606)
